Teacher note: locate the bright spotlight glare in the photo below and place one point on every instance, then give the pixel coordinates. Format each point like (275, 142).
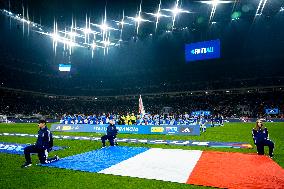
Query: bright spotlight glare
(106, 43)
(281, 9)
(215, 2)
(158, 15)
(55, 36)
(104, 27)
(87, 30)
(138, 19)
(94, 45)
(72, 34)
(176, 10)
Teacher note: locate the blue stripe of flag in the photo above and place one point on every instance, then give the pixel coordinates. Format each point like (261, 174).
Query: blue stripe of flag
(98, 160)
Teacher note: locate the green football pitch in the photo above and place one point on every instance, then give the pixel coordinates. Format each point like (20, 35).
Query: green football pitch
(13, 176)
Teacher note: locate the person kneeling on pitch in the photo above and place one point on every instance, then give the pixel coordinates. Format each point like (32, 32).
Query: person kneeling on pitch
(261, 139)
(42, 146)
(110, 135)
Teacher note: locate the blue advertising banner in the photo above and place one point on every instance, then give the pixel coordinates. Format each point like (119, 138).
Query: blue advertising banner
(145, 141)
(12, 148)
(202, 50)
(131, 129)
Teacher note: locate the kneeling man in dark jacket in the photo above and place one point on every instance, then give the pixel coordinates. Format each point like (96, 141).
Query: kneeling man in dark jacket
(111, 134)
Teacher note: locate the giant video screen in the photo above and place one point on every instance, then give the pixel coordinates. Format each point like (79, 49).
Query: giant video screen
(202, 50)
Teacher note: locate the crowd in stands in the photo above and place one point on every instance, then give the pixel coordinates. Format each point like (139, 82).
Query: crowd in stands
(140, 119)
(230, 104)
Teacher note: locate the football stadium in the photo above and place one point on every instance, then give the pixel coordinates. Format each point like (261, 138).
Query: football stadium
(142, 94)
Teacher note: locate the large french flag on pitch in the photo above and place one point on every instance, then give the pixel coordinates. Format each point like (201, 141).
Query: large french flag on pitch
(216, 169)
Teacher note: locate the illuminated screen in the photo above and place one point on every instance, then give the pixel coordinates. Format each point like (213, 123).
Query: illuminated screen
(202, 50)
(64, 67)
(272, 111)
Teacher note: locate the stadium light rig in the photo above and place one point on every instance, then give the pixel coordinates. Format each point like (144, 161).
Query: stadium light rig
(87, 30)
(66, 36)
(94, 36)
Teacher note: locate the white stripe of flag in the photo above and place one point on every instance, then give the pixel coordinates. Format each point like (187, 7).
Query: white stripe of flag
(173, 165)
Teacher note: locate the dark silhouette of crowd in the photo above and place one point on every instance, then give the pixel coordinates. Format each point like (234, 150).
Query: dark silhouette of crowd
(231, 104)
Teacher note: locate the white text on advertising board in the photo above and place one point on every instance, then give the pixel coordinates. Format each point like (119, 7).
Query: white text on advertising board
(171, 130)
(129, 129)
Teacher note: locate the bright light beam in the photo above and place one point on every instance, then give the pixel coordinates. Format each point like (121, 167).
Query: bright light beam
(138, 19)
(23, 19)
(175, 11)
(260, 7)
(214, 4)
(122, 25)
(87, 30)
(158, 15)
(55, 36)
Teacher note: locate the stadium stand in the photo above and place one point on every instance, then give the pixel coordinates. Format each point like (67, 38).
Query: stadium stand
(244, 102)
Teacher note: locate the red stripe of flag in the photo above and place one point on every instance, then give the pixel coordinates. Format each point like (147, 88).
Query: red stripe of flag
(236, 170)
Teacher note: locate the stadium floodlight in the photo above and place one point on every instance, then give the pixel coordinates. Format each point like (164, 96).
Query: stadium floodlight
(87, 30)
(94, 45)
(55, 37)
(104, 27)
(106, 42)
(158, 15)
(175, 11)
(138, 19)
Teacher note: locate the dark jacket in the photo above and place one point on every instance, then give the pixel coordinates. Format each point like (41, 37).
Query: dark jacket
(259, 135)
(43, 139)
(111, 130)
